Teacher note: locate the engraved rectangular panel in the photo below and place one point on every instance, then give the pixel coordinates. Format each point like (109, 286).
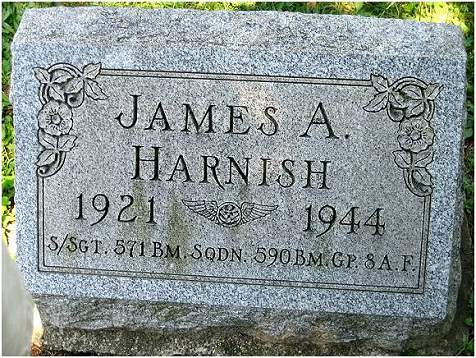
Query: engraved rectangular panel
(259, 180)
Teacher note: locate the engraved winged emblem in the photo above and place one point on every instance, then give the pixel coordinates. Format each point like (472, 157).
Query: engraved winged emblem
(229, 214)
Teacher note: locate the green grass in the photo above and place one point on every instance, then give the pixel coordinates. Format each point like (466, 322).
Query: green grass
(467, 341)
(460, 14)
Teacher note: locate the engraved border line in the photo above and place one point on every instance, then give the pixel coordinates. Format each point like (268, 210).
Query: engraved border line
(235, 77)
(236, 280)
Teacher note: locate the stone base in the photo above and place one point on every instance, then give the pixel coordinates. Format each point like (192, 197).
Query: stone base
(129, 328)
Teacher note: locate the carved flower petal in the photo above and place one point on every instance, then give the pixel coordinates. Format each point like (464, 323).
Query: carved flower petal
(53, 129)
(405, 141)
(65, 126)
(419, 124)
(427, 134)
(65, 112)
(43, 119)
(51, 107)
(405, 128)
(48, 109)
(418, 145)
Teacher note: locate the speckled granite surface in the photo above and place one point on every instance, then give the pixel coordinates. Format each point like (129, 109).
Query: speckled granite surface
(379, 102)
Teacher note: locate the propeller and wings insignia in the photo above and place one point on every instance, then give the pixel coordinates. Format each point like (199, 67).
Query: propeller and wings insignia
(229, 214)
(207, 209)
(252, 211)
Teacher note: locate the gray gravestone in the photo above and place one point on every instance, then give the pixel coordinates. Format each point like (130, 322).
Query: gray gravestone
(271, 177)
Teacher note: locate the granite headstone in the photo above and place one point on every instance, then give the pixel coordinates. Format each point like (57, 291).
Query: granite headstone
(178, 171)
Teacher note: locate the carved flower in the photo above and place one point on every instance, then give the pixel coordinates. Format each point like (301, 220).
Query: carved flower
(55, 118)
(415, 134)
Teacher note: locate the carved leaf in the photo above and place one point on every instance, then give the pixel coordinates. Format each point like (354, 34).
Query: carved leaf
(47, 140)
(56, 92)
(94, 91)
(46, 157)
(422, 176)
(60, 76)
(432, 91)
(415, 108)
(412, 92)
(377, 103)
(380, 83)
(42, 75)
(402, 159)
(66, 142)
(397, 100)
(91, 70)
(74, 85)
(424, 157)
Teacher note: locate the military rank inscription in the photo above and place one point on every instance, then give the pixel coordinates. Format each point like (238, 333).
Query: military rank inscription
(235, 178)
